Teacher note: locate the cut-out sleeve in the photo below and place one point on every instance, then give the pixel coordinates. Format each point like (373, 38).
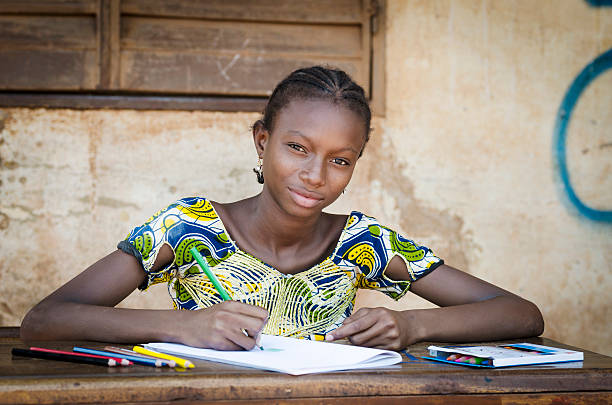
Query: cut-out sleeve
(370, 247)
(181, 225)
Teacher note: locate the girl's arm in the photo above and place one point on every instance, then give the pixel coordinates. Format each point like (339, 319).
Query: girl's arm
(83, 309)
(470, 310)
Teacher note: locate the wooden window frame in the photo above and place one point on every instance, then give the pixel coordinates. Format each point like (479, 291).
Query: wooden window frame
(105, 96)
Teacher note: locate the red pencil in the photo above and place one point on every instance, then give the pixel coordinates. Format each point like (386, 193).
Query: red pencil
(122, 362)
(37, 354)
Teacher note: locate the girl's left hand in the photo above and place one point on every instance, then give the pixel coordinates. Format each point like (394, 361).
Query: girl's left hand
(381, 328)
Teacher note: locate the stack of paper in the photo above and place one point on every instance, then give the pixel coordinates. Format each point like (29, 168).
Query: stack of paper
(291, 356)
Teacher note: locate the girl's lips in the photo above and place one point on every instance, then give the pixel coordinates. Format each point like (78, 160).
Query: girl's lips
(304, 199)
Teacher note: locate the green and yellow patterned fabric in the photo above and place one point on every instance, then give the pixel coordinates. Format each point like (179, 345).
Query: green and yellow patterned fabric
(307, 304)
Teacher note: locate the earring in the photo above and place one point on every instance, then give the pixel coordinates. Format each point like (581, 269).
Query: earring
(259, 171)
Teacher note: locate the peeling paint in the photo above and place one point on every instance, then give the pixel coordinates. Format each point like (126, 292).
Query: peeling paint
(416, 219)
(114, 203)
(3, 117)
(4, 221)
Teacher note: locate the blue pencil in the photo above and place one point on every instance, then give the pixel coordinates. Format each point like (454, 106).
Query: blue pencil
(138, 360)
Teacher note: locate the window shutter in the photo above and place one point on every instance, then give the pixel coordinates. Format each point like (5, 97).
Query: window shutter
(193, 54)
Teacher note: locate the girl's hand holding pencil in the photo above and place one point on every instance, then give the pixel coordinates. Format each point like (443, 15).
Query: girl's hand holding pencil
(249, 333)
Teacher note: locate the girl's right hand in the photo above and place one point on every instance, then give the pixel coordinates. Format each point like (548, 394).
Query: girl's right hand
(221, 326)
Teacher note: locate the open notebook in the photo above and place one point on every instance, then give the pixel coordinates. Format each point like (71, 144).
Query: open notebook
(289, 355)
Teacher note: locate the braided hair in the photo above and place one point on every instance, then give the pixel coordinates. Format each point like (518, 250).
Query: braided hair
(318, 83)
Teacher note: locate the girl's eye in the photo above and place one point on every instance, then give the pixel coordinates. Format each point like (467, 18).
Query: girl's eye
(341, 162)
(297, 147)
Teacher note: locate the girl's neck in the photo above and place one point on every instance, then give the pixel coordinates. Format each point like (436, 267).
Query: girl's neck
(274, 228)
(289, 244)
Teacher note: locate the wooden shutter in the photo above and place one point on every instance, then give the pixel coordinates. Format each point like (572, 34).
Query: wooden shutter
(48, 45)
(210, 54)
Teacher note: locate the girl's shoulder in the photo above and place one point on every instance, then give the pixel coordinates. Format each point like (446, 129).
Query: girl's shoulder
(196, 208)
(362, 232)
(358, 222)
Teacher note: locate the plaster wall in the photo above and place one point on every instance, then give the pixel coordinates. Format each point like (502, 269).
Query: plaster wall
(462, 161)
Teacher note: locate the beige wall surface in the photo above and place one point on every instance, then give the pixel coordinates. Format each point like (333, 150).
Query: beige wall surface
(462, 161)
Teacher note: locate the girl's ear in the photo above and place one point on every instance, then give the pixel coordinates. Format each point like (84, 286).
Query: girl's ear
(260, 136)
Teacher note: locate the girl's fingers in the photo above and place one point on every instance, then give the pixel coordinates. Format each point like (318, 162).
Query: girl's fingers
(249, 318)
(357, 325)
(252, 325)
(357, 315)
(241, 340)
(246, 309)
(373, 336)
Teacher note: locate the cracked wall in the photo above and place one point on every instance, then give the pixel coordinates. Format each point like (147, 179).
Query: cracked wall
(462, 162)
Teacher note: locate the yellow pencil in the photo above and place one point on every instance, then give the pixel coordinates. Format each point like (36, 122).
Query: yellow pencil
(180, 362)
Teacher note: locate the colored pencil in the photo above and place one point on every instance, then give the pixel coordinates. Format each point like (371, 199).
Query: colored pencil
(63, 357)
(213, 279)
(133, 353)
(121, 362)
(181, 362)
(137, 360)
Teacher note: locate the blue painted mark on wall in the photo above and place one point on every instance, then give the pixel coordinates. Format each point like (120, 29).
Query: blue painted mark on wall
(599, 65)
(599, 3)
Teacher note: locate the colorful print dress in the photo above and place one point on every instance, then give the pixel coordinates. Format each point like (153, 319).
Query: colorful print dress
(304, 305)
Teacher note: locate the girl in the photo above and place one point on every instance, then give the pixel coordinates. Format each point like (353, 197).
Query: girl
(290, 268)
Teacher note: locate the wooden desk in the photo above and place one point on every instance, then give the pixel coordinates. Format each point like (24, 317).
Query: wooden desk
(414, 381)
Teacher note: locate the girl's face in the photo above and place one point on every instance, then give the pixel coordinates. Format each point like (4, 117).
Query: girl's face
(309, 157)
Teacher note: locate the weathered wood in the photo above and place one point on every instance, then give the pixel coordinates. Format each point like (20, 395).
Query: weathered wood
(234, 48)
(200, 36)
(377, 60)
(60, 7)
(108, 44)
(25, 380)
(47, 69)
(131, 101)
(311, 11)
(47, 32)
(233, 74)
(585, 398)
(43, 52)
(9, 332)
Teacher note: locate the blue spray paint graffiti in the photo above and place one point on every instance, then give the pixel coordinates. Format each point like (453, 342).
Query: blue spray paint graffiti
(599, 3)
(599, 65)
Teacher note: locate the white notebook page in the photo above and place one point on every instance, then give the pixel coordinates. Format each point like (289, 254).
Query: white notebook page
(289, 355)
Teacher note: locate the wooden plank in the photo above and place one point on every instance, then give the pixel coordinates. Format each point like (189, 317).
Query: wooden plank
(9, 332)
(60, 7)
(47, 32)
(47, 69)
(310, 11)
(368, 9)
(24, 380)
(377, 60)
(198, 35)
(132, 102)
(108, 44)
(578, 398)
(233, 74)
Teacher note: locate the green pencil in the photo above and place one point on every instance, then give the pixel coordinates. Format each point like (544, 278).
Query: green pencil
(213, 279)
(211, 276)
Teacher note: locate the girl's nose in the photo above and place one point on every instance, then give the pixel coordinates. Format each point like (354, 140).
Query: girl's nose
(313, 172)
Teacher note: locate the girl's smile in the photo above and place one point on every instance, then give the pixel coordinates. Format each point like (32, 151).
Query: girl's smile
(305, 198)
